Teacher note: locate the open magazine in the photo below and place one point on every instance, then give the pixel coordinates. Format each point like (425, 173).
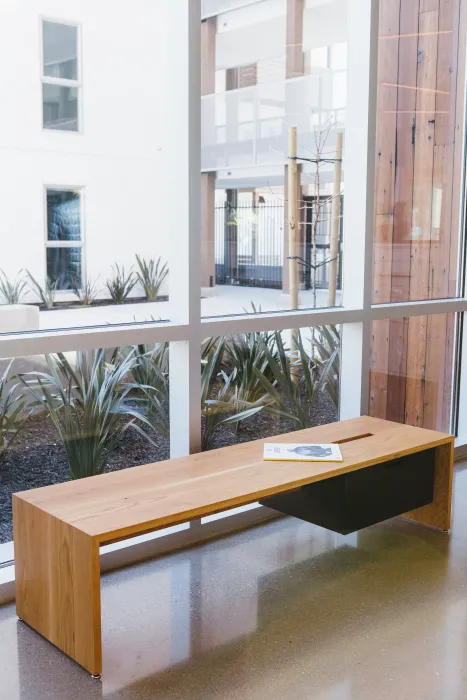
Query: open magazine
(301, 452)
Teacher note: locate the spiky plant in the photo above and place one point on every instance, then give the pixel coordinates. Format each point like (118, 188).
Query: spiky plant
(151, 274)
(14, 412)
(245, 352)
(47, 292)
(88, 406)
(11, 290)
(222, 402)
(326, 349)
(86, 290)
(151, 375)
(120, 284)
(290, 400)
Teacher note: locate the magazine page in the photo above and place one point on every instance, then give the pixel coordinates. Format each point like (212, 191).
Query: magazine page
(302, 452)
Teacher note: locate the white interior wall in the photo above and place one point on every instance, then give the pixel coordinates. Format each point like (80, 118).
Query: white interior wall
(118, 159)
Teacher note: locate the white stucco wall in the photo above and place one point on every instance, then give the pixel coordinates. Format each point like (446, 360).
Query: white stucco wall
(118, 159)
(251, 34)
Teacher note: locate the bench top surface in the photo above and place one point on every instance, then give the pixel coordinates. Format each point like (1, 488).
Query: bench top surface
(140, 499)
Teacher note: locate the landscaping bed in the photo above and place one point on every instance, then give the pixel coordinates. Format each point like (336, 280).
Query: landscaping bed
(77, 304)
(38, 458)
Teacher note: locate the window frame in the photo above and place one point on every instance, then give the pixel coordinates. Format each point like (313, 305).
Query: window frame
(65, 244)
(62, 82)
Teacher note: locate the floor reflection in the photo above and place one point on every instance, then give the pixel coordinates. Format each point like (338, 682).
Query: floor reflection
(286, 610)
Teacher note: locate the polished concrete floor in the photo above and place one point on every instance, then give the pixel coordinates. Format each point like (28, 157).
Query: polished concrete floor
(286, 611)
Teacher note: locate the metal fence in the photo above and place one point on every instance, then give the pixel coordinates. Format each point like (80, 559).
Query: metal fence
(249, 244)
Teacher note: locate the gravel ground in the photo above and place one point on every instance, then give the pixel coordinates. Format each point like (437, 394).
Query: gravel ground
(38, 459)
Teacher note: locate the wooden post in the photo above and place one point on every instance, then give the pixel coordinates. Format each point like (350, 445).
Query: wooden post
(335, 221)
(293, 217)
(293, 237)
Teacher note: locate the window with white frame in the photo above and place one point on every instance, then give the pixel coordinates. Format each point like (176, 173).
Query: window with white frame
(64, 238)
(403, 299)
(60, 76)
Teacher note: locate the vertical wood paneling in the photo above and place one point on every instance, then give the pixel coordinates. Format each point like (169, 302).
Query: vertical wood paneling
(444, 230)
(420, 233)
(397, 369)
(406, 100)
(424, 205)
(379, 369)
(403, 194)
(386, 140)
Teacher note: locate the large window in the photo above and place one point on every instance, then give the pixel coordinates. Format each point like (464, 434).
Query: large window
(60, 76)
(64, 239)
(398, 303)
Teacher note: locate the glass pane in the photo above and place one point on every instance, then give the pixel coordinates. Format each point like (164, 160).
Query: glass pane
(64, 267)
(60, 46)
(251, 256)
(34, 453)
(421, 88)
(60, 107)
(241, 398)
(63, 215)
(412, 367)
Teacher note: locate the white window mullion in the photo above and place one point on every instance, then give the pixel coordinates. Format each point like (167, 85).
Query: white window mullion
(183, 160)
(359, 165)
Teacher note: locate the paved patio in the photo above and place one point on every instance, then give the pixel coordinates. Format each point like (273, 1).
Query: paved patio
(220, 301)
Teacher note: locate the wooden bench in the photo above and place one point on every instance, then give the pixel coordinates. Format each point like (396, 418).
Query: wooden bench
(58, 529)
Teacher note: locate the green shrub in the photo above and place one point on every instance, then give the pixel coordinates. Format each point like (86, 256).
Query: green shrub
(88, 406)
(13, 412)
(47, 292)
(150, 374)
(292, 400)
(246, 352)
(151, 274)
(326, 349)
(120, 284)
(11, 291)
(86, 290)
(223, 402)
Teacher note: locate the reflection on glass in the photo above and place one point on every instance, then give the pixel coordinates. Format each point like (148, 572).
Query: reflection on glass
(254, 91)
(412, 362)
(64, 267)
(60, 107)
(254, 386)
(419, 153)
(60, 50)
(39, 451)
(63, 215)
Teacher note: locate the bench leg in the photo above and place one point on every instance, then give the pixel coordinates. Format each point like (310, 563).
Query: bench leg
(58, 583)
(438, 513)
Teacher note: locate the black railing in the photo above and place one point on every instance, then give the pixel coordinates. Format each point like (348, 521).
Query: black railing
(249, 244)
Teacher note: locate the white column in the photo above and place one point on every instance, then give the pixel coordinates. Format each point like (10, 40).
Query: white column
(359, 174)
(183, 107)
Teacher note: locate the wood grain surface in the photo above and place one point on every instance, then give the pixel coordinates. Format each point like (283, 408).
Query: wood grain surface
(117, 504)
(58, 529)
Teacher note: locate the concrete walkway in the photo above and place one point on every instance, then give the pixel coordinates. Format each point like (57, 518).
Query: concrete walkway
(220, 301)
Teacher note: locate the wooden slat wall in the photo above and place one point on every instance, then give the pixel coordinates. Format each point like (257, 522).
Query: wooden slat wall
(388, 62)
(419, 160)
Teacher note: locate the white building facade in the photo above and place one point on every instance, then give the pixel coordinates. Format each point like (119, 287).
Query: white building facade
(83, 142)
(267, 65)
(82, 137)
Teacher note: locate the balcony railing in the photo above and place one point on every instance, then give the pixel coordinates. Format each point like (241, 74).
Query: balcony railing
(248, 127)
